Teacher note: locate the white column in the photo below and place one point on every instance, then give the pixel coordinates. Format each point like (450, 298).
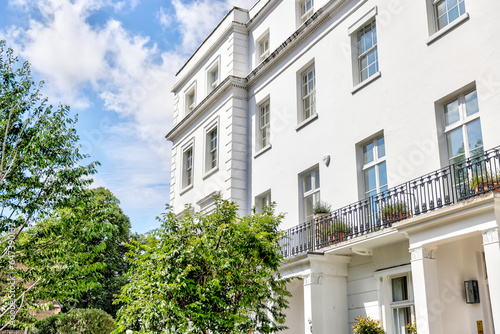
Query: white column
(312, 288)
(491, 247)
(325, 295)
(426, 291)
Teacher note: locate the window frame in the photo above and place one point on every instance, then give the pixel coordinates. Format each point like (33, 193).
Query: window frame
(407, 303)
(377, 161)
(463, 122)
(372, 24)
(263, 54)
(211, 151)
(262, 200)
(304, 14)
(369, 17)
(310, 95)
(315, 191)
(436, 13)
(385, 277)
(261, 128)
(188, 105)
(435, 32)
(212, 84)
(187, 172)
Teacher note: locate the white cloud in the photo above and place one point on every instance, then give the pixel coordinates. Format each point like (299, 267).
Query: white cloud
(197, 19)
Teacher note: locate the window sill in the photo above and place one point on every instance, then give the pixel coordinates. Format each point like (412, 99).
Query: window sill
(366, 82)
(305, 122)
(440, 33)
(262, 150)
(185, 190)
(211, 172)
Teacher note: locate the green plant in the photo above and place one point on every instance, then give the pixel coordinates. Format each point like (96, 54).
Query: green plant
(77, 321)
(321, 207)
(397, 207)
(339, 226)
(47, 325)
(412, 329)
(367, 326)
(480, 177)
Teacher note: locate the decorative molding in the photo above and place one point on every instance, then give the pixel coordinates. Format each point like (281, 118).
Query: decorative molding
(312, 279)
(490, 236)
(421, 253)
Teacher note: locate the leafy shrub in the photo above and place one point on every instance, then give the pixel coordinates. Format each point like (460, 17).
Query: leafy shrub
(77, 321)
(367, 326)
(47, 325)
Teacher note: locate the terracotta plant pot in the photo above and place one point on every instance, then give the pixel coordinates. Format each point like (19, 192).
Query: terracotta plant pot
(486, 187)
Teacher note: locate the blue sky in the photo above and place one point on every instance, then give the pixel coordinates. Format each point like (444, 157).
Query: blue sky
(114, 63)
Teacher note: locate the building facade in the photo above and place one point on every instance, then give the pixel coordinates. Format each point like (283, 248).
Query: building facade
(388, 110)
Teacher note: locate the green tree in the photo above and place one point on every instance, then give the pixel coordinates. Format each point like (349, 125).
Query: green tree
(214, 273)
(113, 256)
(39, 170)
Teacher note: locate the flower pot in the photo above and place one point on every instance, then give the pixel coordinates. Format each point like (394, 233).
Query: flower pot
(486, 187)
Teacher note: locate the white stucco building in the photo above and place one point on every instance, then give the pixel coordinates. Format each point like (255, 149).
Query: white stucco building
(389, 110)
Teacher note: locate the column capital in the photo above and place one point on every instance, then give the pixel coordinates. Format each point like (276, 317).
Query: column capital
(420, 253)
(313, 279)
(490, 236)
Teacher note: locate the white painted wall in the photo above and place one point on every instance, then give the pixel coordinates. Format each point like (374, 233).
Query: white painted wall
(400, 104)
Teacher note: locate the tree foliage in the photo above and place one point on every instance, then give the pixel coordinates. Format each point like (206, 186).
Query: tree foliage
(113, 256)
(40, 170)
(214, 273)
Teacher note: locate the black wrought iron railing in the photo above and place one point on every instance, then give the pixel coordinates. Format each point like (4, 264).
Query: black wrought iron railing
(459, 181)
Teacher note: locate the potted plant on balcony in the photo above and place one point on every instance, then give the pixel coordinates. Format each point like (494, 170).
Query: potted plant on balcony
(394, 212)
(321, 211)
(340, 229)
(336, 232)
(484, 181)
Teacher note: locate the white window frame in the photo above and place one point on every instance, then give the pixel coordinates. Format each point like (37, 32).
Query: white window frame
(368, 18)
(388, 305)
(212, 83)
(211, 152)
(190, 98)
(463, 122)
(304, 12)
(262, 46)
(262, 200)
(435, 32)
(307, 94)
(377, 161)
(314, 191)
(187, 166)
(408, 303)
(435, 5)
(372, 25)
(264, 129)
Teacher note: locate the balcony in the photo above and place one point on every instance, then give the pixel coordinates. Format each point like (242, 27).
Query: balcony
(457, 182)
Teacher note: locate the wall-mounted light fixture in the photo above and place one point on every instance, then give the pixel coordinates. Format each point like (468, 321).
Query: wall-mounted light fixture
(471, 292)
(326, 160)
